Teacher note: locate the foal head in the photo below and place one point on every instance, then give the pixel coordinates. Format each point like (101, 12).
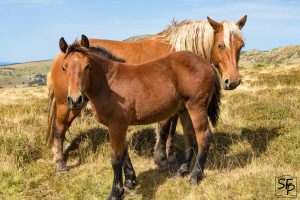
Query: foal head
(228, 42)
(77, 65)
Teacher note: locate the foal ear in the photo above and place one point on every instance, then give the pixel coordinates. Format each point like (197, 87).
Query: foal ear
(85, 41)
(63, 45)
(242, 22)
(214, 24)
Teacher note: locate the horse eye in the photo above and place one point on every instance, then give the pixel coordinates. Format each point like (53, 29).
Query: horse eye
(219, 45)
(87, 67)
(63, 68)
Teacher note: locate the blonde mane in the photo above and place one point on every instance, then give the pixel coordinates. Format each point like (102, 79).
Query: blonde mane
(196, 36)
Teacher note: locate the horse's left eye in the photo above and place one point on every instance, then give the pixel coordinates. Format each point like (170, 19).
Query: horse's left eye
(219, 45)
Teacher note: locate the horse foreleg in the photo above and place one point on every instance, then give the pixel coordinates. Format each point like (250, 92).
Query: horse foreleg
(203, 134)
(118, 151)
(130, 177)
(60, 128)
(189, 143)
(160, 155)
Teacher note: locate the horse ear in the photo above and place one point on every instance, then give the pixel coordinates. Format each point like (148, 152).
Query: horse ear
(63, 45)
(242, 22)
(85, 41)
(214, 24)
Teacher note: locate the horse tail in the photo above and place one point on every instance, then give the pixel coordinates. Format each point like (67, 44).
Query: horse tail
(51, 112)
(215, 102)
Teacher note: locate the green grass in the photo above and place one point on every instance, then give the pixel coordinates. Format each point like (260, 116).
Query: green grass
(257, 138)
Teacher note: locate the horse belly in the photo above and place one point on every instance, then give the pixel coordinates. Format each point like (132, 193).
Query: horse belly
(152, 107)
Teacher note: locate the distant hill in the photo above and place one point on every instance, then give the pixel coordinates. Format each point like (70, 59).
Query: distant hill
(25, 74)
(138, 38)
(279, 55)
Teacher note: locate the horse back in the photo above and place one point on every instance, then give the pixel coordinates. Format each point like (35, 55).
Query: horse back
(136, 52)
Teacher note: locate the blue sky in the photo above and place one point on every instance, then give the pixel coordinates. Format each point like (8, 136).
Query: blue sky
(30, 29)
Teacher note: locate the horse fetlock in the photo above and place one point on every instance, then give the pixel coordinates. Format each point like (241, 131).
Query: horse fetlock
(159, 155)
(172, 158)
(182, 171)
(130, 183)
(61, 167)
(196, 177)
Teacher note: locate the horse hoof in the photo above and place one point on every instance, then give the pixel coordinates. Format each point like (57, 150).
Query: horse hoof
(173, 164)
(193, 181)
(163, 165)
(130, 184)
(117, 196)
(61, 171)
(182, 171)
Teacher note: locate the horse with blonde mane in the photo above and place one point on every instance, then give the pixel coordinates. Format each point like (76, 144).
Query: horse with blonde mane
(218, 42)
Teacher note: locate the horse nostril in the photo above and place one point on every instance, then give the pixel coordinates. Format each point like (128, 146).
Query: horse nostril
(226, 82)
(69, 99)
(80, 99)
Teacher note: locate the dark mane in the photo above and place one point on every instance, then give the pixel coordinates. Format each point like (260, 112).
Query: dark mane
(75, 47)
(104, 52)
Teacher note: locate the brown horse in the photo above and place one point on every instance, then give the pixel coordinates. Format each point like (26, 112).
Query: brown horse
(123, 94)
(219, 43)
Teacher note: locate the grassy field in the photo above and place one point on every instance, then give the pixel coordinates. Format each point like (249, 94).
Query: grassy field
(257, 138)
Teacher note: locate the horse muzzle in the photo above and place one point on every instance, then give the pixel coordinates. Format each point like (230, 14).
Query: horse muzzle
(228, 85)
(75, 103)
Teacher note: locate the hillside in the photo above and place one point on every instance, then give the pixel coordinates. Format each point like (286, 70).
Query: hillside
(286, 54)
(23, 74)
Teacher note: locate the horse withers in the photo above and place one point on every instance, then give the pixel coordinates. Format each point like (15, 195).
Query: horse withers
(122, 94)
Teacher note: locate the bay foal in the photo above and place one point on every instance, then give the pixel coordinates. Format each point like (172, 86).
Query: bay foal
(122, 94)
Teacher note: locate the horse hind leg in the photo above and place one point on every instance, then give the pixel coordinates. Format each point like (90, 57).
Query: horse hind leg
(160, 155)
(189, 143)
(170, 149)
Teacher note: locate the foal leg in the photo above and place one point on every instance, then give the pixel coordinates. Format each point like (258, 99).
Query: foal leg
(162, 132)
(130, 177)
(203, 134)
(118, 150)
(189, 143)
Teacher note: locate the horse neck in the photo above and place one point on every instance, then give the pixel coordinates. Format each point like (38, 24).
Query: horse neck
(102, 72)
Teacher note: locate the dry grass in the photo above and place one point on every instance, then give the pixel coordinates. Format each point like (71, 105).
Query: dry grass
(257, 138)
